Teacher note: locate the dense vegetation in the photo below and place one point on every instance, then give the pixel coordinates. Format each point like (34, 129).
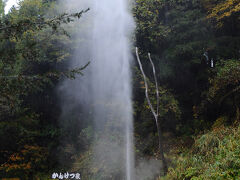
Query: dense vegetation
(195, 46)
(33, 46)
(183, 38)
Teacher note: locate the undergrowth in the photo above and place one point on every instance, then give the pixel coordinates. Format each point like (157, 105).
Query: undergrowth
(214, 155)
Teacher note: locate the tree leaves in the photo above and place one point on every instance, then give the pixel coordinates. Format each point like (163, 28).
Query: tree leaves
(224, 9)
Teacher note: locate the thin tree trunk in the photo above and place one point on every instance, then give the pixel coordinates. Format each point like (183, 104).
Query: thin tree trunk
(162, 157)
(155, 113)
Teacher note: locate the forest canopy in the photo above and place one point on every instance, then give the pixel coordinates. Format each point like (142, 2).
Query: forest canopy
(195, 46)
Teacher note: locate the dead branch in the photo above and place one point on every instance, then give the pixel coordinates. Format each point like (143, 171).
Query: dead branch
(155, 113)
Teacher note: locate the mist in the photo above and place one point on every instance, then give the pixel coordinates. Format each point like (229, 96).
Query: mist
(104, 94)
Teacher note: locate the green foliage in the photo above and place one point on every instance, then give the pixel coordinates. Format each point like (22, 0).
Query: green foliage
(223, 92)
(169, 114)
(150, 26)
(33, 47)
(224, 10)
(177, 50)
(226, 81)
(215, 155)
(2, 6)
(178, 33)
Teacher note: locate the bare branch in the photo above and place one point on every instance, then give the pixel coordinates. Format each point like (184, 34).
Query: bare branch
(69, 74)
(63, 18)
(156, 83)
(146, 86)
(156, 115)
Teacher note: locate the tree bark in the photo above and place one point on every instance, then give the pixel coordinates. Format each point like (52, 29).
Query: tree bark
(155, 113)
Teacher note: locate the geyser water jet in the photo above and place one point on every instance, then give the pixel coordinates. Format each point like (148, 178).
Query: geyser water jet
(106, 86)
(111, 65)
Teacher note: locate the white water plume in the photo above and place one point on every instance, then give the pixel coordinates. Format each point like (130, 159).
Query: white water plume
(106, 85)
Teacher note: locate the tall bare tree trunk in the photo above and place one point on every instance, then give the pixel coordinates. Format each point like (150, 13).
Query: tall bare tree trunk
(155, 113)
